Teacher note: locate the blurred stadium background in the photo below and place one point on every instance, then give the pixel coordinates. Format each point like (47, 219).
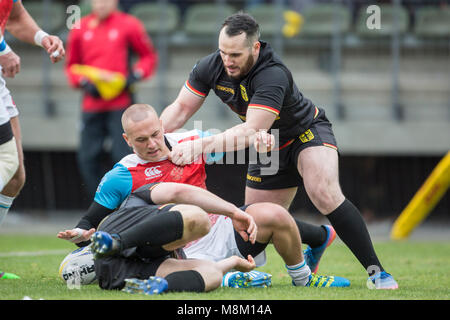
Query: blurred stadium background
(386, 91)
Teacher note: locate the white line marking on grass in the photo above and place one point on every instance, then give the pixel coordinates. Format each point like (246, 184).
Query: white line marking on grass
(32, 253)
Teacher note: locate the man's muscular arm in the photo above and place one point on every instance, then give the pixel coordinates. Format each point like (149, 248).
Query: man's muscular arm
(169, 192)
(181, 110)
(242, 135)
(23, 27)
(236, 138)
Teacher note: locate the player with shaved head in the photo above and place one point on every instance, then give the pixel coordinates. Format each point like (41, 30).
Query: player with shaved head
(148, 178)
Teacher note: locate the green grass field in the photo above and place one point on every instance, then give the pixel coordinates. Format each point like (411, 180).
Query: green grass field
(420, 268)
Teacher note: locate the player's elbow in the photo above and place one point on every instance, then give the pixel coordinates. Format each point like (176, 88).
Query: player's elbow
(16, 18)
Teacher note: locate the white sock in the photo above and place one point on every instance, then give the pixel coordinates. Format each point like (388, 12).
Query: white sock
(5, 204)
(299, 273)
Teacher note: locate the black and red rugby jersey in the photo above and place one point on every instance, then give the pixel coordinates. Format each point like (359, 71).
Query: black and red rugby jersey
(268, 85)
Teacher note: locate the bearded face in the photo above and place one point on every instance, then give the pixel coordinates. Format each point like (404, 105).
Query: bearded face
(237, 56)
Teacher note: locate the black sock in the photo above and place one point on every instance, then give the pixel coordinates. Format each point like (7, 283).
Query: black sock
(155, 230)
(311, 234)
(351, 228)
(189, 280)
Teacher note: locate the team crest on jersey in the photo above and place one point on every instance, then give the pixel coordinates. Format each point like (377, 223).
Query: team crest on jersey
(244, 93)
(177, 173)
(153, 172)
(306, 136)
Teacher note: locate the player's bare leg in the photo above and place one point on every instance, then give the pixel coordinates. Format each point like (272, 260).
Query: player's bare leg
(15, 184)
(196, 224)
(319, 169)
(283, 197)
(13, 187)
(312, 235)
(276, 225)
(211, 272)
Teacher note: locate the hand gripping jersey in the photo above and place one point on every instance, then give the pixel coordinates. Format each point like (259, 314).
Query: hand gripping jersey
(131, 173)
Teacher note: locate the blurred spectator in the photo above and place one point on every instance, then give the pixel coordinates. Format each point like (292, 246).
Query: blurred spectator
(126, 5)
(98, 63)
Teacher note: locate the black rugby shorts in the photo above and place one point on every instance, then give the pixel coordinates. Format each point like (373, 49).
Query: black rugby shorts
(282, 171)
(113, 270)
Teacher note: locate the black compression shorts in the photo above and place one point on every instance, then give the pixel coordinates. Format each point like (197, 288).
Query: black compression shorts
(282, 171)
(112, 271)
(246, 247)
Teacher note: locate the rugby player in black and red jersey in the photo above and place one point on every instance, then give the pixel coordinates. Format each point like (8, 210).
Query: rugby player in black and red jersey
(248, 76)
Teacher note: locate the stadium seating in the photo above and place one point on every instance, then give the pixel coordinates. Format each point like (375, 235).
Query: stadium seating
(85, 7)
(53, 21)
(156, 17)
(205, 19)
(432, 22)
(269, 17)
(319, 20)
(391, 17)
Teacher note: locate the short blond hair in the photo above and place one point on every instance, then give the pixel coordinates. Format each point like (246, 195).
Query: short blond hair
(136, 113)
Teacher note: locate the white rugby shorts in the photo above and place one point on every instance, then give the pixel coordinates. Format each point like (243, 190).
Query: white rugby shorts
(9, 161)
(219, 243)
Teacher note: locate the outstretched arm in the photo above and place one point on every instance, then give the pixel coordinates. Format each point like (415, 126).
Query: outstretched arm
(81, 234)
(77, 235)
(172, 192)
(242, 135)
(236, 138)
(168, 192)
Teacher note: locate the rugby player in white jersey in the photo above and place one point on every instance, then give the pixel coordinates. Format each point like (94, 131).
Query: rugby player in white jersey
(18, 22)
